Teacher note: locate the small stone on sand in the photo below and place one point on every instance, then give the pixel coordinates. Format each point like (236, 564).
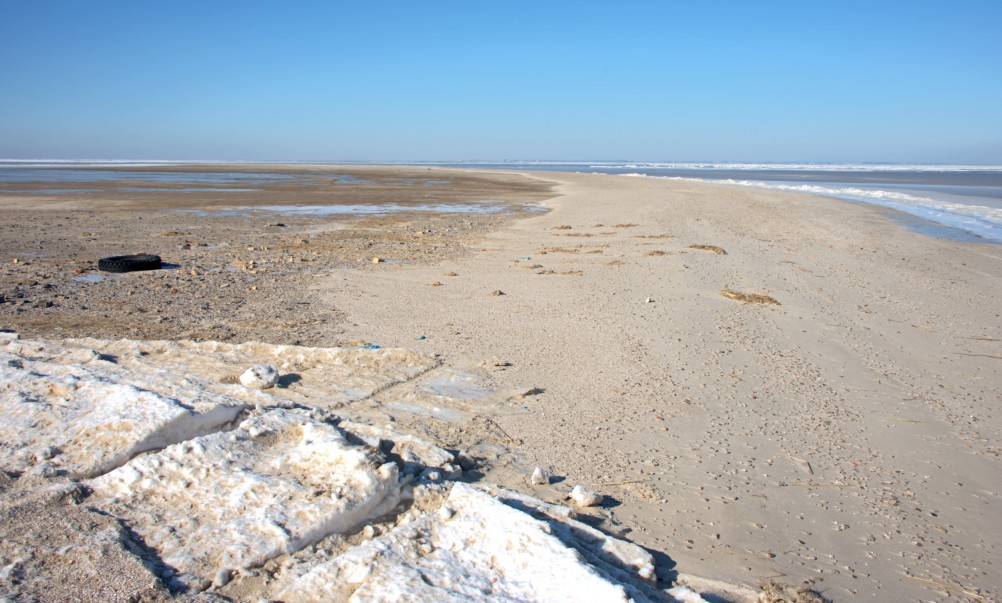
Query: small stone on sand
(540, 477)
(584, 497)
(262, 376)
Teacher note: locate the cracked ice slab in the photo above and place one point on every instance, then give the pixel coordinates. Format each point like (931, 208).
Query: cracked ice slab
(477, 548)
(320, 377)
(234, 500)
(70, 411)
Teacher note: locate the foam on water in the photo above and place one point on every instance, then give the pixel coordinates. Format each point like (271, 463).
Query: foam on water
(966, 200)
(980, 220)
(983, 222)
(803, 167)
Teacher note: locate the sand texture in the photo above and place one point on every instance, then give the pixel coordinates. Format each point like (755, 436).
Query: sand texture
(847, 437)
(761, 386)
(287, 501)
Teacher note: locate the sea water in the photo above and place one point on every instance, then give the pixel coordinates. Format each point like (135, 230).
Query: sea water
(952, 201)
(962, 202)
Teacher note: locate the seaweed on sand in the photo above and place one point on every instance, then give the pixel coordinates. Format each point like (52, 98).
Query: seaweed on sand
(751, 298)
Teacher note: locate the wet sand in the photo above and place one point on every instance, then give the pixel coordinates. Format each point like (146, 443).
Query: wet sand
(236, 270)
(845, 437)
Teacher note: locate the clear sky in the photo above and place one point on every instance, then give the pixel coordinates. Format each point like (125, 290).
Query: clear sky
(846, 81)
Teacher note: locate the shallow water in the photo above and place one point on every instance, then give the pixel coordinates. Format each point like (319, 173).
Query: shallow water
(22, 174)
(49, 191)
(482, 207)
(955, 202)
(54, 176)
(151, 189)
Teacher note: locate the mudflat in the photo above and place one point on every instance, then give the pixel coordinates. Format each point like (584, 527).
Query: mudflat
(761, 385)
(243, 250)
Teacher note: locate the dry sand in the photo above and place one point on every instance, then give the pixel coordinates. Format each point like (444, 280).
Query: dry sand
(845, 437)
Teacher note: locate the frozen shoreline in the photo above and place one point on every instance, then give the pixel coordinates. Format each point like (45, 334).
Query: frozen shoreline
(270, 499)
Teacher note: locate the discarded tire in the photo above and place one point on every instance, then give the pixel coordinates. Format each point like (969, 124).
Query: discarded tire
(129, 263)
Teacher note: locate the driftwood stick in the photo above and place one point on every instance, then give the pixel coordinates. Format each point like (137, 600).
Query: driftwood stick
(948, 587)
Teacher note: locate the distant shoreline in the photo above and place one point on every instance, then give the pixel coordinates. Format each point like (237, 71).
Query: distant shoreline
(960, 202)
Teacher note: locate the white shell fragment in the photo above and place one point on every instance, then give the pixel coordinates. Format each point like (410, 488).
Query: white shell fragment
(262, 376)
(584, 497)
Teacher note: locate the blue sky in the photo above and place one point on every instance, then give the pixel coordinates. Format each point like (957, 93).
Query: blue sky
(706, 81)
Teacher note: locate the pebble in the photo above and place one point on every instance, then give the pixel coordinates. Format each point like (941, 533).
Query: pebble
(262, 376)
(222, 578)
(585, 497)
(45, 453)
(540, 476)
(431, 474)
(44, 469)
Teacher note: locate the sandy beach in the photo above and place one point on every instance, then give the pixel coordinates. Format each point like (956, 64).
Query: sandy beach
(762, 385)
(847, 436)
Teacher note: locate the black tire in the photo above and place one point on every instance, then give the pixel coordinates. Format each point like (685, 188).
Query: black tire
(129, 263)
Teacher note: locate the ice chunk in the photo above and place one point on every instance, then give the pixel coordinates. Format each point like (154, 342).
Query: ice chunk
(262, 376)
(323, 377)
(84, 420)
(620, 559)
(412, 450)
(234, 500)
(481, 549)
